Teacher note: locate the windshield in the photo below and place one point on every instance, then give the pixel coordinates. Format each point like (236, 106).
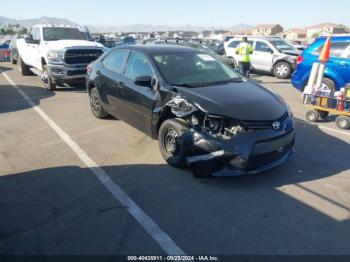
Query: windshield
(282, 45)
(194, 69)
(62, 33)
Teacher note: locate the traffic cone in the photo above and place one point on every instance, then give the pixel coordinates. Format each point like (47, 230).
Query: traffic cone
(324, 56)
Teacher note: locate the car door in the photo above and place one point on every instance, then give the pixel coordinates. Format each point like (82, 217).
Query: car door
(261, 59)
(35, 56)
(340, 60)
(109, 79)
(136, 102)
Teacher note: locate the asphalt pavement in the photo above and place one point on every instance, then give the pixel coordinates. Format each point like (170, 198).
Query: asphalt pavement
(73, 184)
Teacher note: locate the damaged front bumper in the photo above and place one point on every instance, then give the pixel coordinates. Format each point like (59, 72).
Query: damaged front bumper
(247, 153)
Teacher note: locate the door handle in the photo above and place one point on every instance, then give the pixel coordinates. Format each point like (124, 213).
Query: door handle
(343, 63)
(98, 73)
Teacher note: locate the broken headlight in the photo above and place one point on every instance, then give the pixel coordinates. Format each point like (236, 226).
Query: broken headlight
(181, 107)
(221, 128)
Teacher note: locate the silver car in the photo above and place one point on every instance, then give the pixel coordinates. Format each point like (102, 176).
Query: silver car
(271, 54)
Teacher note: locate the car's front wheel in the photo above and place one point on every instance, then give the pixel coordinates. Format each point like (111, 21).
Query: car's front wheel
(96, 104)
(282, 70)
(48, 83)
(171, 144)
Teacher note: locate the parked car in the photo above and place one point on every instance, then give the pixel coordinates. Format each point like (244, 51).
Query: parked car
(271, 54)
(203, 48)
(4, 51)
(13, 49)
(57, 53)
(337, 72)
(204, 114)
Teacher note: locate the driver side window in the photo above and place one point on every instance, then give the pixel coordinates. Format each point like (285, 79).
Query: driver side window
(137, 65)
(36, 34)
(262, 47)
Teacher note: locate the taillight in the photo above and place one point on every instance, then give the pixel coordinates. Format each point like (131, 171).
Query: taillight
(300, 59)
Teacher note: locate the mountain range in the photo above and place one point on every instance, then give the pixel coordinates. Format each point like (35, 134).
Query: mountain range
(27, 23)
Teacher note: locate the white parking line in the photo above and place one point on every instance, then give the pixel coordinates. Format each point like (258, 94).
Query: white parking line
(166, 243)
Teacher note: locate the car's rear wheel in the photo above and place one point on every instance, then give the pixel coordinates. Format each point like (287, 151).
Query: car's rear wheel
(96, 104)
(48, 83)
(170, 142)
(282, 70)
(23, 68)
(328, 84)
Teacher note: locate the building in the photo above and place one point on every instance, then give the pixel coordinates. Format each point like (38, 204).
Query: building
(294, 34)
(267, 29)
(325, 29)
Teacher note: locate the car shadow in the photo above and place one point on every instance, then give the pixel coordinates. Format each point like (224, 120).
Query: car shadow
(4, 68)
(66, 210)
(12, 101)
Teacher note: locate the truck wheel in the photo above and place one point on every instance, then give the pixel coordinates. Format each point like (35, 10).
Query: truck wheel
(282, 70)
(312, 115)
(49, 85)
(96, 104)
(343, 122)
(23, 68)
(170, 143)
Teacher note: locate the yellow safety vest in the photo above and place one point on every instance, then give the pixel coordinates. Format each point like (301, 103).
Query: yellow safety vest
(244, 50)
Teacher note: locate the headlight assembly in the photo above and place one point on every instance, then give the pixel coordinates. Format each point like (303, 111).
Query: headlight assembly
(55, 56)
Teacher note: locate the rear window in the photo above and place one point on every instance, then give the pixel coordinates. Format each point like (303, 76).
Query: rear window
(337, 49)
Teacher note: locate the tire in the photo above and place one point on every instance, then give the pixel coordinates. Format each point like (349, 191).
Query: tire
(23, 68)
(96, 104)
(13, 61)
(282, 70)
(312, 115)
(343, 122)
(170, 142)
(329, 84)
(323, 114)
(48, 83)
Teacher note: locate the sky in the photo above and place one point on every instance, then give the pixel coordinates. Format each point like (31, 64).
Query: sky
(292, 13)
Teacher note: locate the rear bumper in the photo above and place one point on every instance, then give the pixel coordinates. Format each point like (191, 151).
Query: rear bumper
(61, 72)
(248, 153)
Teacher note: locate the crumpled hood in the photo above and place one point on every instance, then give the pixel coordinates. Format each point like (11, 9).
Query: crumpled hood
(242, 101)
(61, 44)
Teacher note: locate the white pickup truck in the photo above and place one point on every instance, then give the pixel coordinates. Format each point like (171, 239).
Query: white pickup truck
(58, 53)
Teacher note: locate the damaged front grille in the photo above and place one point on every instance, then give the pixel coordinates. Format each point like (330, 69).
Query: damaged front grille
(270, 151)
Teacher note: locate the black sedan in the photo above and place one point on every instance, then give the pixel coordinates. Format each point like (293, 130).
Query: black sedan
(204, 114)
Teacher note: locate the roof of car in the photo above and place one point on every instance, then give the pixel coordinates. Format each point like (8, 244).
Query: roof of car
(158, 49)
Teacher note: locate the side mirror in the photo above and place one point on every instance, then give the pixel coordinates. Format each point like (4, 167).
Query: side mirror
(144, 81)
(271, 51)
(29, 40)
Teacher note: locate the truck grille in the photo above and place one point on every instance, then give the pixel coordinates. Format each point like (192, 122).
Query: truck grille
(82, 56)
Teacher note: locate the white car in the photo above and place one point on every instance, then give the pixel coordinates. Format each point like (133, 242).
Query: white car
(57, 53)
(271, 54)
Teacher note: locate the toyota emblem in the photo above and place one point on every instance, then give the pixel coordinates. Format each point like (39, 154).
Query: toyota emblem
(276, 125)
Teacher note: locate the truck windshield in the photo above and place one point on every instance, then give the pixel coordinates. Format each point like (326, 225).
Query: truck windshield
(282, 45)
(62, 33)
(194, 69)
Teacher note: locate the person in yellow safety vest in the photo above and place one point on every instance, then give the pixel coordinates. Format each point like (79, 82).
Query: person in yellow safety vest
(244, 50)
